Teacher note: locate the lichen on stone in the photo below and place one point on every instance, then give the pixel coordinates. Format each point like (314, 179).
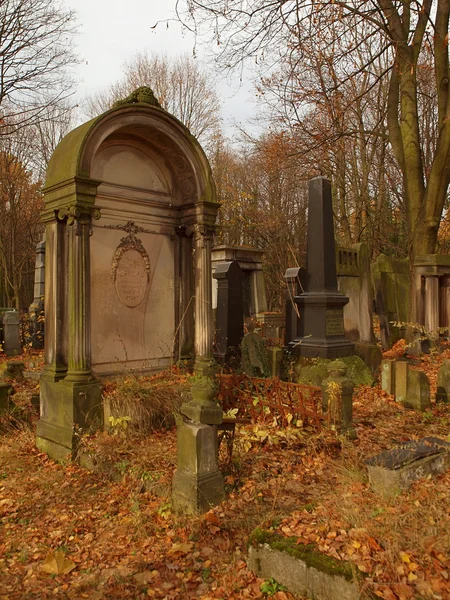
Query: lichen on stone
(142, 94)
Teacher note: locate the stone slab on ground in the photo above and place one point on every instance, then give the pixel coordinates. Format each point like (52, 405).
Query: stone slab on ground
(394, 470)
(301, 569)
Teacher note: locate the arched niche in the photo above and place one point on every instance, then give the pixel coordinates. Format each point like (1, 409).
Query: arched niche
(147, 183)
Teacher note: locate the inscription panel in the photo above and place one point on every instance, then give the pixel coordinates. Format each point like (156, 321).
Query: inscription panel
(131, 278)
(334, 322)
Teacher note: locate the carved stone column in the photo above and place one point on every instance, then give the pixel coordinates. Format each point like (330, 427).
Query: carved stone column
(70, 394)
(203, 237)
(79, 224)
(198, 484)
(55, 355)
(187, 295)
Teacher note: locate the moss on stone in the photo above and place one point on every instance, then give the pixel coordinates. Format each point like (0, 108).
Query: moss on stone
(312, 371)
(306, 553)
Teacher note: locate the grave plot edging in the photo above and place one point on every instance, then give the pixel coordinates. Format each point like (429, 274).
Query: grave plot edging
(303, 575)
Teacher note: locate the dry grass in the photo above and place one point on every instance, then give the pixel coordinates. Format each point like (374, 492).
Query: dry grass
(150, 403)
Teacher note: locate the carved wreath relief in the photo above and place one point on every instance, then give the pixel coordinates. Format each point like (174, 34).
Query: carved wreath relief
(130, 270)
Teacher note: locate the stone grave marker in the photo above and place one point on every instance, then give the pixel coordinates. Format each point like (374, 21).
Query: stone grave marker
(36, 309)
(11, 333)
(393, 470)
(321, 306)
(254, 356)
(401, 380)
(418, 391)
(251, 262)
(388, 375)
(230, 312)
(443, 383)
(130, 210)
(390, 279)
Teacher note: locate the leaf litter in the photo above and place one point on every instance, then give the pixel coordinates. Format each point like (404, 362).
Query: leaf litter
(110, 533)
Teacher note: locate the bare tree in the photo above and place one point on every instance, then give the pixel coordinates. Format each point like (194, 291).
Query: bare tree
(405, 33)
(20, 225)
(182, 88)
(35, 56)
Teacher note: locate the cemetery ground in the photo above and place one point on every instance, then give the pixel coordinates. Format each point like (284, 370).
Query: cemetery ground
(69, 532)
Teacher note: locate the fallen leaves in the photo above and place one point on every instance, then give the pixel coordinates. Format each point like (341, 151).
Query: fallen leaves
(56, 563)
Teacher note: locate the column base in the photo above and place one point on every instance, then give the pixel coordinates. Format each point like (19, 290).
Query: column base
(196, 494)
(197, 484)
(67, 410)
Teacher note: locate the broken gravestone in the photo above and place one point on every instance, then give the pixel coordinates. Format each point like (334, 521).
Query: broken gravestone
(394, 470)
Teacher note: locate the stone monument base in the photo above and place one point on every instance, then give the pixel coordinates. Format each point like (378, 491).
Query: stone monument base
(67, 406)
(197, 484)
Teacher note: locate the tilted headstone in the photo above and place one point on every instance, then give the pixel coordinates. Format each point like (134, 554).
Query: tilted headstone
(322, 304)
(254, 356)
(443, 383)
(230, 314)
(271, 325)
(11, 333)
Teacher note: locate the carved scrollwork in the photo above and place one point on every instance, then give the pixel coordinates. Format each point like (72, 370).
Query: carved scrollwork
(203, 234)
(129, 242)
(79, 216)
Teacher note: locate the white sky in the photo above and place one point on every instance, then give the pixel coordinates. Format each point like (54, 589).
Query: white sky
(111, 31)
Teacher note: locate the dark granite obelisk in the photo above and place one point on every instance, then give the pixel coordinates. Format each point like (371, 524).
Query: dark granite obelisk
(321, 306)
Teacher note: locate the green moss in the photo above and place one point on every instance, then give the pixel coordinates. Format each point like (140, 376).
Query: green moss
(306, 553)
(312, 371)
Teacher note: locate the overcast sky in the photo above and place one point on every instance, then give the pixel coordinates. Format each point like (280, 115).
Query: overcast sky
(111, 31)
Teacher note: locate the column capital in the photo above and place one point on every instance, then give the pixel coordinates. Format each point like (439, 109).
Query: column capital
(78, 215)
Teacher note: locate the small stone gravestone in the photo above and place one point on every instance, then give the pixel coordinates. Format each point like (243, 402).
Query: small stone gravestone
(254, 358)
(443, 382)
(388, 376)
(14, 370)
(11, 333)
(230, 311)
(394, 470)
(418, 391)
(337, 398)
(401, 380)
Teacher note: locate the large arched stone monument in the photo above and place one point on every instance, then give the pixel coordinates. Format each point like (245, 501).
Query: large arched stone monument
(130, 208)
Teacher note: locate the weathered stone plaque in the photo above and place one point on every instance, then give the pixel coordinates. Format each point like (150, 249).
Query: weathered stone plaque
(131, 278)
(334, 322)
